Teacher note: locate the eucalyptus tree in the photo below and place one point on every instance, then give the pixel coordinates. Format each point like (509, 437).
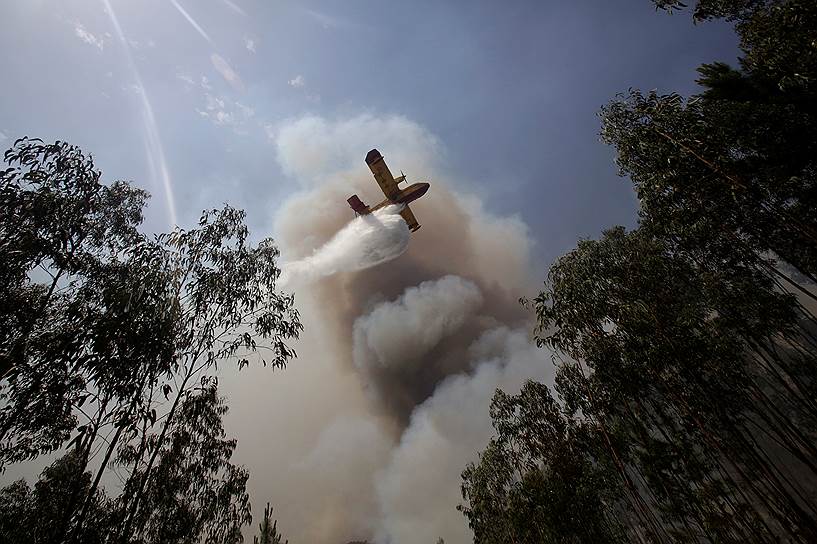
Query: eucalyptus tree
(684, 349)
(736, 165)
(669, 426)
(541, 479)
(713, 9)
(199, 495)
(121, 337)
(268, 530)
(34, 516)
(224, 302)
(59, 225)
(659, 347)
(726, 180)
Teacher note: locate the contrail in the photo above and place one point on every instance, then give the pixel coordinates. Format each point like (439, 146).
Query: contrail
(153, 143)
(235, 7)
(192, 21)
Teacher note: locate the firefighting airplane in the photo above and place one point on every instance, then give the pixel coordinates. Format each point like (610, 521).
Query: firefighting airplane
(388, 184)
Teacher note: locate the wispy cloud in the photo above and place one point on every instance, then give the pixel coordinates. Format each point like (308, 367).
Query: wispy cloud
(299, 82)
(223, 67)
(222, 111)
(190, 20)
(187, 78)
(235, 7)
(215, 110)
(249, 43)
(3, 136)
(87, 37)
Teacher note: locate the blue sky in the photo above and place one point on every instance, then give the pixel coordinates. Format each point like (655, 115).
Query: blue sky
(510, 89)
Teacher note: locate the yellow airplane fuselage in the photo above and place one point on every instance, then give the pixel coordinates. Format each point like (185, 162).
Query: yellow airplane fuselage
(409, 194)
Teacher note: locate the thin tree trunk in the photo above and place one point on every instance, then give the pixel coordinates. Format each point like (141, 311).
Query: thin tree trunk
(132, 510)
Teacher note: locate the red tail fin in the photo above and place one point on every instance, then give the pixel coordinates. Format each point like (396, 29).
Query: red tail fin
(357, 204)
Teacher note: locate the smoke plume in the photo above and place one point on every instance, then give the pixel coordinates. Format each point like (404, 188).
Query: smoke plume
(364, 436)
(418, 489)
(396, 333)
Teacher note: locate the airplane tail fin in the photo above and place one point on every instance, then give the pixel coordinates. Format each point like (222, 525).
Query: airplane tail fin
(356, 204)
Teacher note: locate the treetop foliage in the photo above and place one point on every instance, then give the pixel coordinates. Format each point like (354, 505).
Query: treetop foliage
(110, 338)
(715, 9)
(268, 530)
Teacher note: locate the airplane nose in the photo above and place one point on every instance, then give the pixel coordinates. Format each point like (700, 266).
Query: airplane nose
(423, 189)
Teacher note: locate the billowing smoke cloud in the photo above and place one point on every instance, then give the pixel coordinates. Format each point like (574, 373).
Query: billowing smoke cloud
(367, 241)
(364, 436)
(419, 488)
(405, 330)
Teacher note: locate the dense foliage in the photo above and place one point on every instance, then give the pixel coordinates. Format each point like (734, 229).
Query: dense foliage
(686, 350)
(109, 342)
(38, 514)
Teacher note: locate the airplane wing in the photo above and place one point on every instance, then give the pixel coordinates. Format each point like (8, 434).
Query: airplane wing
(381, 173)
(408, 215)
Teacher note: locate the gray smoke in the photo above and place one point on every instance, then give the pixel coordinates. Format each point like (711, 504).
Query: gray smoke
(395, 334)
(364, 436)
(419, 488)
